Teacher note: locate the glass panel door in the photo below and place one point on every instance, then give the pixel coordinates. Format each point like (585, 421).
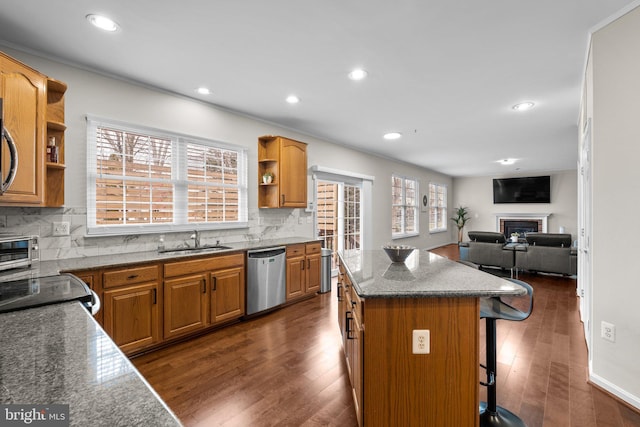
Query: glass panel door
(338, 218)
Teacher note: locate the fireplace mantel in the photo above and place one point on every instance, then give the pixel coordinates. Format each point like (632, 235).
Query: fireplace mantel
(541, 217)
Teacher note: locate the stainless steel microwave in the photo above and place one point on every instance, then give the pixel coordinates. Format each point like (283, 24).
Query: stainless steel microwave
(18, 251)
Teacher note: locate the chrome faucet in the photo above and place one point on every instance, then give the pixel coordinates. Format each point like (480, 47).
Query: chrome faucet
(196, 237)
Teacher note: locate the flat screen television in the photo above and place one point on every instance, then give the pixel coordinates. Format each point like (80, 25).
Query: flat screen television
(533, 189)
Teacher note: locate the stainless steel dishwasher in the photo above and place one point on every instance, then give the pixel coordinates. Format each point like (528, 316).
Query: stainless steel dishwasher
(266, 282)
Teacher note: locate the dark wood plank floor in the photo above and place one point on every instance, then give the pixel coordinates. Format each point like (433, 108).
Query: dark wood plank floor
(287, 368)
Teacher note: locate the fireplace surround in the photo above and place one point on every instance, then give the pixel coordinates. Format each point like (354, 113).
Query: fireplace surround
(521, 223)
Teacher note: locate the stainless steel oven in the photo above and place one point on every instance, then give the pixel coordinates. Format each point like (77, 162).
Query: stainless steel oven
(18, 251)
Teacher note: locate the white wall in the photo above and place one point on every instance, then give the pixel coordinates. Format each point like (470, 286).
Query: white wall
(614, 112)
(92, 93)
(477, 195)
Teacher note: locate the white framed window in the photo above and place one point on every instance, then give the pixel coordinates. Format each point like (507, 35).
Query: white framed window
(437, 208)
(404, 206)
(143, 180)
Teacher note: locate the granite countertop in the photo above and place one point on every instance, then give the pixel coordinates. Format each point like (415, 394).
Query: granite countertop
(423, 274)
(50, 268)
(58, 354)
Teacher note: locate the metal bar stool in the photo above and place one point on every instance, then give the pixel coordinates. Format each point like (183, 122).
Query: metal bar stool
(492, 309)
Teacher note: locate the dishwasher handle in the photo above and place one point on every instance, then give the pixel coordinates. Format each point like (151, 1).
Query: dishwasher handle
(266, 253)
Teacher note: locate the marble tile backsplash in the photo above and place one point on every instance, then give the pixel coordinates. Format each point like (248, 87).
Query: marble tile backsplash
(263, 225)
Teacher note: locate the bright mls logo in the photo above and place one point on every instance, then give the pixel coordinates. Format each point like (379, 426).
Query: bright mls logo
(34, 415)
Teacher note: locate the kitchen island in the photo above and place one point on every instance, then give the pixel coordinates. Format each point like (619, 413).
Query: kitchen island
(58, 354)
(397, 377)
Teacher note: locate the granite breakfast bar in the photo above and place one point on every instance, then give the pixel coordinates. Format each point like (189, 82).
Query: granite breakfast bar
(382, 304)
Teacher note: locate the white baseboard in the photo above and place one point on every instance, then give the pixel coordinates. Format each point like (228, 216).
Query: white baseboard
(615, 390)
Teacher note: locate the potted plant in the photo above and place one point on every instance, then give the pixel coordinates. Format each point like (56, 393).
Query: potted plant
(515, 237)
(461, 219)
(267, 177)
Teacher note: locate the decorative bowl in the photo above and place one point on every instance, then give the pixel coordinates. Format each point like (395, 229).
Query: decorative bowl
(398, 253)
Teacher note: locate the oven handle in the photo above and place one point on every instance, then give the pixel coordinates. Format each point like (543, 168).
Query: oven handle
(95, 303)
(13, 166)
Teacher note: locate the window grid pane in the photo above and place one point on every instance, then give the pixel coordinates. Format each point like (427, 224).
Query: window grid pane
(404, 209)
(136, 175)
(437, 207)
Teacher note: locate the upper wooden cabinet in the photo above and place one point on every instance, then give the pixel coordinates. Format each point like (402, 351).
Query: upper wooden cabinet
(33, 114)
(286, 159)
(24, 101)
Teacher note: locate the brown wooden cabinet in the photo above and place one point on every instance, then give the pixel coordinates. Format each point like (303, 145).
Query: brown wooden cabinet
(185, 305)
(33, 110)
(55, 167)
(131, 307)
(286, 159)
(202, 292)
(227, 294)
(303, 269)
(391, 385)
(350, 319)
(24, 100)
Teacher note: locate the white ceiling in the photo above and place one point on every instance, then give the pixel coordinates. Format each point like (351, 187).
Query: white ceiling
(444, 73)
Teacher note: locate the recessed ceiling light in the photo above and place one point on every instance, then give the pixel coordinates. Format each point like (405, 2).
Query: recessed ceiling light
(358, 74)
(292, 99)
(524, 106)
(392, 135)
(203, 91)
(102, 22)
(507, 162)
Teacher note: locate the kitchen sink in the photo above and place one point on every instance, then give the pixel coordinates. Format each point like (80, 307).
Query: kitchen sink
(199, 249)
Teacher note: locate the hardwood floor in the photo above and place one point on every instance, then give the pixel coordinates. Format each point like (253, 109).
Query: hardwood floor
(287, 369)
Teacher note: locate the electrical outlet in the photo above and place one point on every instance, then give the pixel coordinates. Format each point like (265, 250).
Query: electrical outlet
(61, 228)
(421, 338)
(608, 331)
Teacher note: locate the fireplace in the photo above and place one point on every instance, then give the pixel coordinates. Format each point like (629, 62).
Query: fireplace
(521, 223)
(520, 226)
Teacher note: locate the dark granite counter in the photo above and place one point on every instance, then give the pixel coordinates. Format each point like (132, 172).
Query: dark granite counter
(423, 274)
(58, 354)
(50, 268)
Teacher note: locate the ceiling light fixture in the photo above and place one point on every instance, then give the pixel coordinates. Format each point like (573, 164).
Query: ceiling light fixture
(203, 91)
(392, 135)
(506, 162)
(358, 74)
(102, 22)
(524, 106)
(292, 99)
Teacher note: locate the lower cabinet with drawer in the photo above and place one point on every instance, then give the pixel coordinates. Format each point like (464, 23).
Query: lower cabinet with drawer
(202, 292)
(303, 269)
(131, 306)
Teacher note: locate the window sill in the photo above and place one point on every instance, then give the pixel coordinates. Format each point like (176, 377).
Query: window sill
(438, 231)
(404, 236)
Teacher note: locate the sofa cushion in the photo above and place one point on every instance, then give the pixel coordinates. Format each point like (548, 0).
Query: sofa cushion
(560, 240)
(487, 237)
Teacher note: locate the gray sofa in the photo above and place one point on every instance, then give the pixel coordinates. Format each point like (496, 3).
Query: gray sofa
(548, 253)
(486, 248)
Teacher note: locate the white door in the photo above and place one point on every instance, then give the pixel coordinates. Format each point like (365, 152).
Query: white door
(584, 232)
(338, 216)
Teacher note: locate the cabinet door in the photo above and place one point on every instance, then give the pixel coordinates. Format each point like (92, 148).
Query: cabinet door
(293, 173)
(356, 358)
(131, 316)
(227, 294)
(312, 274)
(24, 105)
(185, 305)
(295, 277)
